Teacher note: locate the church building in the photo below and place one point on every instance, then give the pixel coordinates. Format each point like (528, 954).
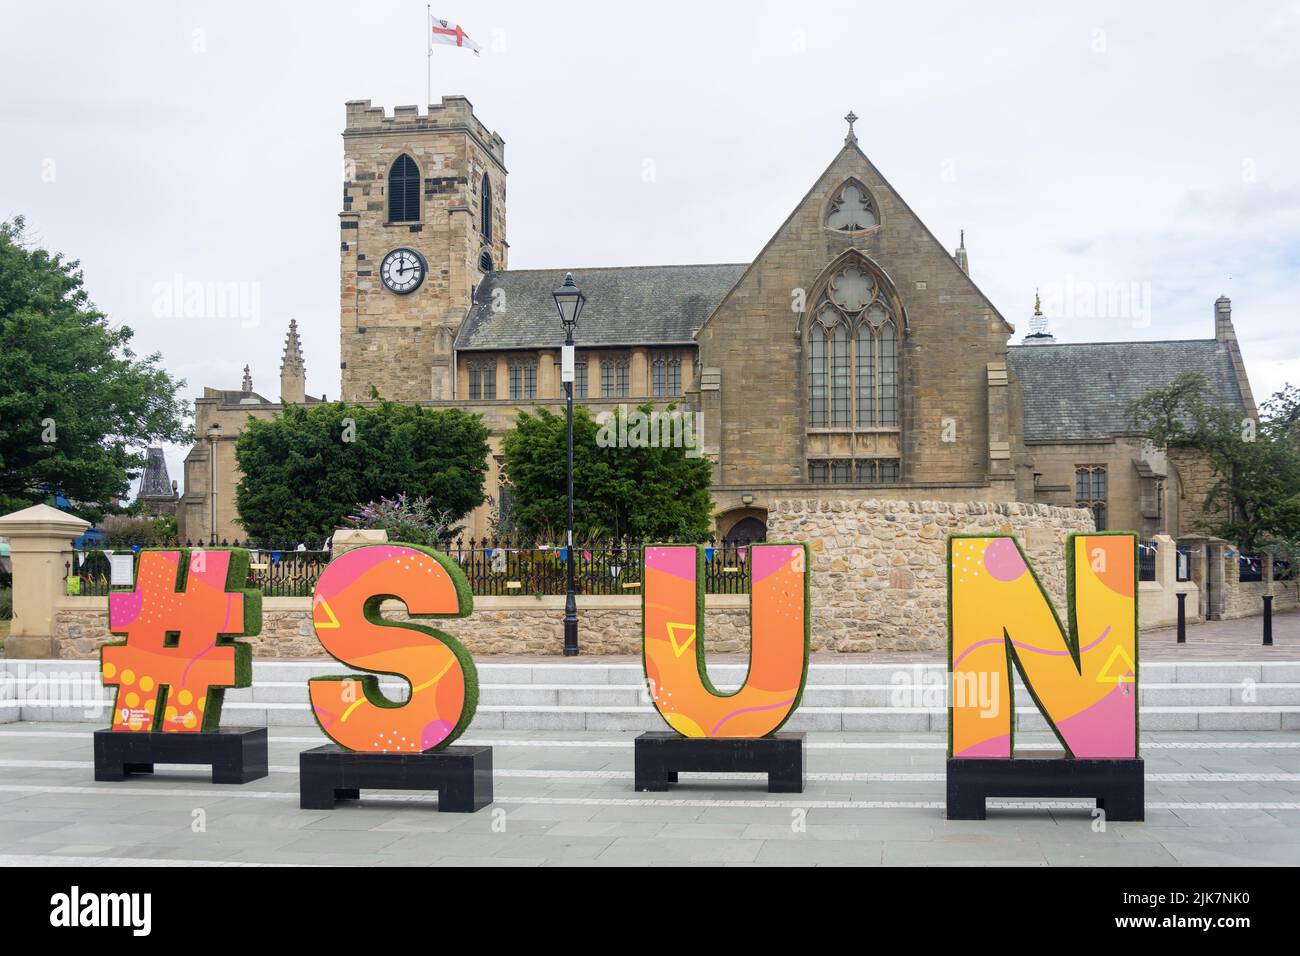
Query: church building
(853, 357)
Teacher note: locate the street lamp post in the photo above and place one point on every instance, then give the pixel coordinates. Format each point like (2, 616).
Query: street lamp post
(214, 433)
(569, 300)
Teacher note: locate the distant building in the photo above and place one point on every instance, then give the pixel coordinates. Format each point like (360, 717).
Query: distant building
(157, 492)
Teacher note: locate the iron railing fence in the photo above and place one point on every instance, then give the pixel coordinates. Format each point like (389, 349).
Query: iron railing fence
(493, 566)
(1148, 555)
(1250, 567)
(277, 570)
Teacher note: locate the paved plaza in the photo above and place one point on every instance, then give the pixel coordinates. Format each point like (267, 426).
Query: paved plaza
(564, 796)
(567, 798)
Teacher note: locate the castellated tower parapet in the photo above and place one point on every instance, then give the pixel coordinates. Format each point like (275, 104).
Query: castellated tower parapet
(433, 184)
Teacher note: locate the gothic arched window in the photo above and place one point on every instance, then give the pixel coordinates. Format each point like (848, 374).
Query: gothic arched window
(485, 211)
(666, 376)
(404, 190)
(852, 209)
(853, 353)
(485, 261)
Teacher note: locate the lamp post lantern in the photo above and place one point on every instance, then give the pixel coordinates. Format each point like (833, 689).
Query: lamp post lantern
(569, 300)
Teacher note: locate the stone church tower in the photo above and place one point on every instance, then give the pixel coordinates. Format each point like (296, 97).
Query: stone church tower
(423, 220)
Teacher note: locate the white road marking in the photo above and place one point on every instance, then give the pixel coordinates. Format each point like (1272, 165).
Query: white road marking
(133, 861)
(792, 801)
(814, 744)
(830, 777)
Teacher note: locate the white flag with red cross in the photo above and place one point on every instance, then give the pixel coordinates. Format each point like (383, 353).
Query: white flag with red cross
(451, 34)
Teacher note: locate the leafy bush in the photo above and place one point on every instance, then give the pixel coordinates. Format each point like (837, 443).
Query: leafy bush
(308, 468)
(6, 603)
(413, 520)
(123, 531)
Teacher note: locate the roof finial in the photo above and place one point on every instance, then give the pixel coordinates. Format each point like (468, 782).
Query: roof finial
(292, 359)
(852, 137)
(1038, 334)
(960, 256)
(248, 380)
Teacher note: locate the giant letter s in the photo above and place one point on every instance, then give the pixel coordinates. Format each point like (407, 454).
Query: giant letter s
(444, 684)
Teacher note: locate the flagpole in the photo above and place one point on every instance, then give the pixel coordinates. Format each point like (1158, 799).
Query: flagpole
(428, 53)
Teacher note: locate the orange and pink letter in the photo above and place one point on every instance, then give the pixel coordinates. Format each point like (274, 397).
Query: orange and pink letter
(673, 642)
(1084, 680)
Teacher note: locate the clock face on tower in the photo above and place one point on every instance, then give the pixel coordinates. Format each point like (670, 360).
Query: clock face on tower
(403, 270)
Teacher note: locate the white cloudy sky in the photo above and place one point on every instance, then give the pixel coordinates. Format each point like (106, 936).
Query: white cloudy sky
(1144, 148)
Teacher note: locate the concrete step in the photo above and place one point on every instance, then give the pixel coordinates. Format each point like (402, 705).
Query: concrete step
(815, 695)
(592, 671)
(611, 696)
(809, 718)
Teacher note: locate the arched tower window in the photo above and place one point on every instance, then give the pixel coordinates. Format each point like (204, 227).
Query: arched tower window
(404, 190)
(485, 211)
(485, 261)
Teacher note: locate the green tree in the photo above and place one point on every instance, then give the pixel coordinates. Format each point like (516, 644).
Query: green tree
(641, 492)
(77, 407)
(1255, 498)
(306, 470)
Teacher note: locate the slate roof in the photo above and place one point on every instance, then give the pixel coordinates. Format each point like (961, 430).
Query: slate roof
(1082, 391)
(626, 306)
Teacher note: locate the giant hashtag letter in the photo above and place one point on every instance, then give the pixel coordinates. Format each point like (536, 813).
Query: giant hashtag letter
(179, 654)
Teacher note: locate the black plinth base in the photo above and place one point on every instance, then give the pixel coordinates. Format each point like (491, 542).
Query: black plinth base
(461, 775)
(236, 754)
(1119, 786)
(661, 756)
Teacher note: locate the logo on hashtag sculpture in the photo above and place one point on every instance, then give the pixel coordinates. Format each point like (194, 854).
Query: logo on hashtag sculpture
(180, 654)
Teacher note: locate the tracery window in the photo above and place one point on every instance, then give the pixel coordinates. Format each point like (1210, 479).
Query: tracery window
(666, 376)
(615, 376)
(852, 209)
(1090, 492)
(853, 354)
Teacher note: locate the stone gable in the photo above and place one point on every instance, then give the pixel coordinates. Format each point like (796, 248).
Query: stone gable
(954, 339)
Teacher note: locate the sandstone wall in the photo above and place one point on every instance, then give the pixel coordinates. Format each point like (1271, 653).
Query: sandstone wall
(502, 625)
(879, 567)
(879, 584)
(1245, 598)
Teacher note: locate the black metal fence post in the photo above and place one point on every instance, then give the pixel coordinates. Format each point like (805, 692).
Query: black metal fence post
(1182, 617)
(1268, 620)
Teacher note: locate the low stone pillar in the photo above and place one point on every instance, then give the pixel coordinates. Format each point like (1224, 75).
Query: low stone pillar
(1166, 561)
(40, 544)
(345, 539)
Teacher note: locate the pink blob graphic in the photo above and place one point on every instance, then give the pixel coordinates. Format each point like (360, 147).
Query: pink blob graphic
(124, 607)
(1002, 560)
(434, 733)
(678, 561)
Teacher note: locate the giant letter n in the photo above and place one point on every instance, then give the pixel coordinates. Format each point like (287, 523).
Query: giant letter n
(1000, 621)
